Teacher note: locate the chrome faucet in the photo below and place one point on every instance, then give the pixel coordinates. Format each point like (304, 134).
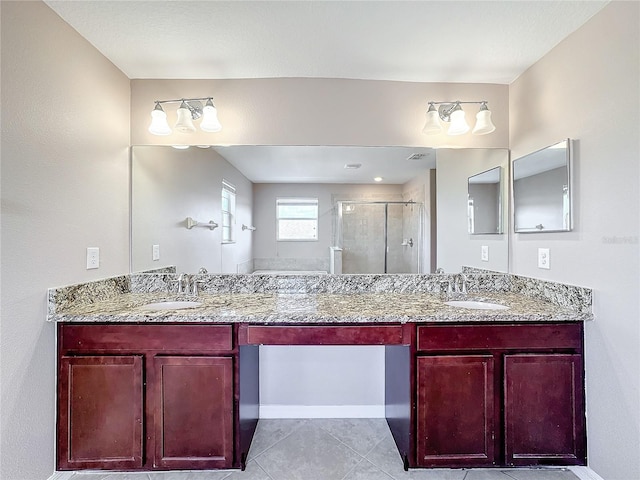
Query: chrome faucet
(183, 283)
(460, 283)
(188, 284)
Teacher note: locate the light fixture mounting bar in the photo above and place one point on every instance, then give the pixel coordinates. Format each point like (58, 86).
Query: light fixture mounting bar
(180, 100)
(445, 109)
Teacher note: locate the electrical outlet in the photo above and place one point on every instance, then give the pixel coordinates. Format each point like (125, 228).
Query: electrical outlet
(155, 255)
(543, 258)
(93, 258)
(484, 255)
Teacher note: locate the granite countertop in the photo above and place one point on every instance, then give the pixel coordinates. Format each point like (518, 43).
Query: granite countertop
(318, 308)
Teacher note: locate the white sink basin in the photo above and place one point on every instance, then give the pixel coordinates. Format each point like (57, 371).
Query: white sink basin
(475, 305)
(172, 305)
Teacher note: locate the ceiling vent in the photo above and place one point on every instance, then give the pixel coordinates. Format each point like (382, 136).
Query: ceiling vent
(416, 156)
(352, 166)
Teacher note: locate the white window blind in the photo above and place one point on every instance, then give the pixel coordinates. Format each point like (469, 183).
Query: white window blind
(297, 219)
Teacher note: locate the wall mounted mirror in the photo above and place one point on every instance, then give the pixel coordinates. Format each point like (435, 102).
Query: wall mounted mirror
(542, 190)
(485, 202)
(168, 186)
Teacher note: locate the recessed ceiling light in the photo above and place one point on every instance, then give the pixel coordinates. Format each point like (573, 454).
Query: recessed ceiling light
(203, 146)
(180, 147)
(377, 179)
(352, 166)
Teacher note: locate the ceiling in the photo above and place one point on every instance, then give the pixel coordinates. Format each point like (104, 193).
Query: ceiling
(421, 41)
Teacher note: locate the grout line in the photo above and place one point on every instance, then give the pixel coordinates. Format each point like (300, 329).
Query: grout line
(304, 422)
(264, 470)
(353, 468)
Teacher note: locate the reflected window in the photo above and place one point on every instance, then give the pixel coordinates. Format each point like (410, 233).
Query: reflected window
(228, 212)
(297, 219)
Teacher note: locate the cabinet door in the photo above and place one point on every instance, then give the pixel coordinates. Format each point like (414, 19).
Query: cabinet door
(544, 405)
(193, 412)
(456, 410)
(100, 412)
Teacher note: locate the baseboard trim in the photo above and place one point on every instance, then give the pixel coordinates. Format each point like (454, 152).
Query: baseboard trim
(61, 476)
(585, 473)
(321, 411)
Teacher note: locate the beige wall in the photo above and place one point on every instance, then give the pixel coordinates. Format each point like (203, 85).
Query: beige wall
(317, 111)
(65, 137)
(170, 185)
(587, 89)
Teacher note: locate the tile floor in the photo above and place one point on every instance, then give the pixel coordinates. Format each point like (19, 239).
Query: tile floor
(331, 449)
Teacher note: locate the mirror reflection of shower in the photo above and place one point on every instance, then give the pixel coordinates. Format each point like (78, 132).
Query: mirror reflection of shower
(379, 237)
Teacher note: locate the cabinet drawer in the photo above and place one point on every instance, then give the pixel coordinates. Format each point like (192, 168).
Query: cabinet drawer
(499, 337)
(322, 335)
(183, 338)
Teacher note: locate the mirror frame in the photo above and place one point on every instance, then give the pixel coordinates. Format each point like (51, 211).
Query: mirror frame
(570, 187)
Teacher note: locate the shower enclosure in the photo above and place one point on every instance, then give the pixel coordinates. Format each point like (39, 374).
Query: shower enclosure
(379, 237)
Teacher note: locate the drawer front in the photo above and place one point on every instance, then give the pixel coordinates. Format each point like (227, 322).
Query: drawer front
(322, 335)
(499, 337)
(183, 338)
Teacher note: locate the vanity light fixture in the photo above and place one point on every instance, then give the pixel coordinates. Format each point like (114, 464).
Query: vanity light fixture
(190, 109)
(452, 113)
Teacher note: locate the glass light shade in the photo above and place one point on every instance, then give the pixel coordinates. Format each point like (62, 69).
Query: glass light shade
(185, 122)
(432, 125)
(210, 122)
(484, 124)
(458, 125)
(159, 125)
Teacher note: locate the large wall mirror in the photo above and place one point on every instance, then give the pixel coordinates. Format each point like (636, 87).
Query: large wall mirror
(169, 186)
(542, 190)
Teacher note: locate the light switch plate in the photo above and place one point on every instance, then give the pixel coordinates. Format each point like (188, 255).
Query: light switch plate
(484, 253)
(93, 258)
(543, 258)
(155, 255)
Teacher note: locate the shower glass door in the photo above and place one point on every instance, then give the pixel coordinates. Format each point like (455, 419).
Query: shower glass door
(379, 237)
(363, 243)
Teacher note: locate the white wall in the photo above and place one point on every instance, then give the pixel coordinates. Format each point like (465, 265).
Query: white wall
(170, 185)
(455, 246)
(587, 89)
(65, 138)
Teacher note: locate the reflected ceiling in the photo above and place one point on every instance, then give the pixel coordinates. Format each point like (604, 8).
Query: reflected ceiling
(326, 164)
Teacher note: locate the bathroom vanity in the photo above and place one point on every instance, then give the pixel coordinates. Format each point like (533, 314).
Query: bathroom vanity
(179, 389)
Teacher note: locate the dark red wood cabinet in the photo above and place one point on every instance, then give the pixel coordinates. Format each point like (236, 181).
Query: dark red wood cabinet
(100, 425)
(193, 412)
(456, 402)
(150, 397)
(500, 395)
